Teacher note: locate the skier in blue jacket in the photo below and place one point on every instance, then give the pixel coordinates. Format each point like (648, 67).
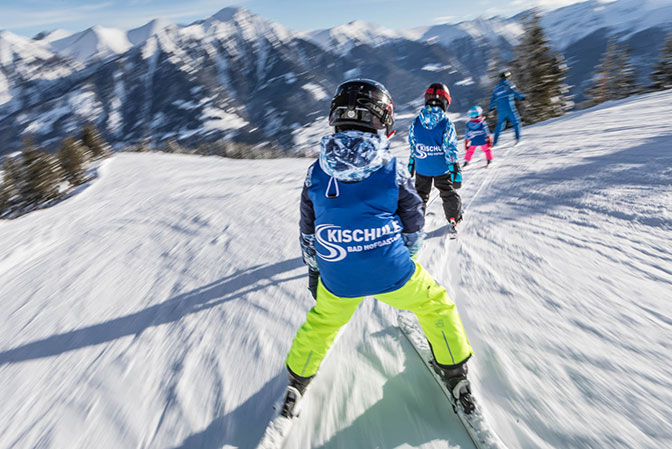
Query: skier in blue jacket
(503, 96)
(433, 141)
(361, 224)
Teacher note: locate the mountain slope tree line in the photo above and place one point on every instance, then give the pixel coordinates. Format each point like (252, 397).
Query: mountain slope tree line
(34, 178)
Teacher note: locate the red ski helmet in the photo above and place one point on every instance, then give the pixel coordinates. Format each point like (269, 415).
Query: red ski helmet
(437, 94)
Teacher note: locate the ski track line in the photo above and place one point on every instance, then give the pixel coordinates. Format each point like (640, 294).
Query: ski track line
(451, 274)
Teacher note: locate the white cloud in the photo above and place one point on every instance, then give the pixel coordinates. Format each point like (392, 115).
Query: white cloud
(444, 19)
(520, 5)
(544, 4)
(105, 14)
(17, 19)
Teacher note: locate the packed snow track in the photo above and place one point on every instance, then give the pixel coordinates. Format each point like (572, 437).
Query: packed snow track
(155, 308)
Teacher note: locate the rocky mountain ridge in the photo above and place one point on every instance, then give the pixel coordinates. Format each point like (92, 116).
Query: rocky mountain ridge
(239, 77)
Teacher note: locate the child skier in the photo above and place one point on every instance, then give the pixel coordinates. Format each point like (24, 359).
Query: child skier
(433, 142)
(476, 136)
(361, 224)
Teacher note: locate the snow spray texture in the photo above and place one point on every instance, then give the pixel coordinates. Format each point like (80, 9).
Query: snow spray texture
(358, 229)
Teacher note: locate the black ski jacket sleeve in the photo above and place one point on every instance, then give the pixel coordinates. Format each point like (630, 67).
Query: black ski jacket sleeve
(307, 223)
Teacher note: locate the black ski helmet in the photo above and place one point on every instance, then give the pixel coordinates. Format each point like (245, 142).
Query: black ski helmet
(437, 94)
(505, 75)
(362, 104)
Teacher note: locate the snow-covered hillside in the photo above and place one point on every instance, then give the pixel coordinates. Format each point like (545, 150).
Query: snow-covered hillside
(155, 308)
(621, 17)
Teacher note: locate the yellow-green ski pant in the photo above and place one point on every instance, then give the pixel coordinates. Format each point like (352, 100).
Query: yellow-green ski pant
(436, 313)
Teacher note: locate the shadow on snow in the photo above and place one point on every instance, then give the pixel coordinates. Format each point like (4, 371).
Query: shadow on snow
(226, 289)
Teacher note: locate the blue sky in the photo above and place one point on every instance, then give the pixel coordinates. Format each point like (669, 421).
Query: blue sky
(28, 17)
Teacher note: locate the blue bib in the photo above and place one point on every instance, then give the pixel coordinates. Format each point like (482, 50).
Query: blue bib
(430, 159)
(476, 133)
(360, 251)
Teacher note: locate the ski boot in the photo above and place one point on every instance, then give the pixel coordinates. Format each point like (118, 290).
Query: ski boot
(452, 227)
(455, 379)
(488, 162)
(294, 394)
(465, 164)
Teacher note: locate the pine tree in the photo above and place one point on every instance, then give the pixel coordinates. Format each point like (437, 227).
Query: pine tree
(9, 189)
(4, 200)
(615, 77)
(625, 83)
(495, 68)
(540, 73)
(93, 141)
(41, 176)
(661, 78)
(71, 158)
(521, 77)
(561, 100)
(11, 181)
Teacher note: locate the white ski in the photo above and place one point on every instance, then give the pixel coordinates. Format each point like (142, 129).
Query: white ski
(480, 432)
(278, 428)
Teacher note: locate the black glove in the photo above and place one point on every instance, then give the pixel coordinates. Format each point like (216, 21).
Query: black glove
(313, 277)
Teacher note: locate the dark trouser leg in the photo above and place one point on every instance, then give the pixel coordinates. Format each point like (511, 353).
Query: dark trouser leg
(452, 203)
(423, 184)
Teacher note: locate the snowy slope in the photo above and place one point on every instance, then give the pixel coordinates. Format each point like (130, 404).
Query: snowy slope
(155, 308)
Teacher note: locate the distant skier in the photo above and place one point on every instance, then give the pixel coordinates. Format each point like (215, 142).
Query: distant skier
(361, 224)
(433, 158)
(503, 97)
(477, 136)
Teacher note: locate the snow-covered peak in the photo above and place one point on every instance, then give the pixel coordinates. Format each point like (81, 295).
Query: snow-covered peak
(95, 42)
(48, 37)
(241, 22)
(140, 35)
(480, 28)
(227, 14)
(493, 28)
(13, 47)
(343, 38)
(571, 23)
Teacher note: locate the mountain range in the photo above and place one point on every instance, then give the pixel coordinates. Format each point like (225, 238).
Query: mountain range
(239, 77)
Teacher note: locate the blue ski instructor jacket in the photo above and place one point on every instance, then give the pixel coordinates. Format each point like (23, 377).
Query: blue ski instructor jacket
(361, 218)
